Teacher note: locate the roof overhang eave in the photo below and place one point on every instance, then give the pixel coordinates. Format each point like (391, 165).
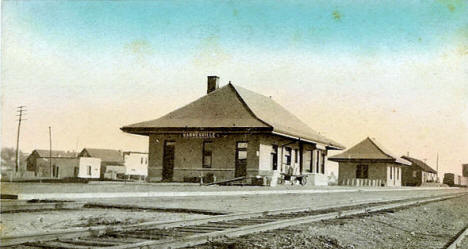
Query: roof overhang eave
(329, 146)
(371, 160)
(162, 130)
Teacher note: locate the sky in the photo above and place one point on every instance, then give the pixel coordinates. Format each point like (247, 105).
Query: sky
(393, 70)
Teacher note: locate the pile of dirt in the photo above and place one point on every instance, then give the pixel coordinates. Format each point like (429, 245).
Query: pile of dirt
(103, 220)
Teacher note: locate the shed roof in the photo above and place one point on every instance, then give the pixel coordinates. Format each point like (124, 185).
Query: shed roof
(55, 153)
(368, 149)
(106, 155)
(420, 164)
(233, 107)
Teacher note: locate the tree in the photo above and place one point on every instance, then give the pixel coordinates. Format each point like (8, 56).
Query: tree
(8, 156)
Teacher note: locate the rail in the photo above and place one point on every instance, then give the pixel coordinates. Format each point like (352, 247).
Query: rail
(178, 234)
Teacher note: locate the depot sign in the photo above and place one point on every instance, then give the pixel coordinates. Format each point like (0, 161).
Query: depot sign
(198, 134)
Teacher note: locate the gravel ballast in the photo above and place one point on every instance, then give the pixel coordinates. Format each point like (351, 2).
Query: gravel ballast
(427, 226)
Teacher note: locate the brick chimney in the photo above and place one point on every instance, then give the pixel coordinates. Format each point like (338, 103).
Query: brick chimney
(213, 83)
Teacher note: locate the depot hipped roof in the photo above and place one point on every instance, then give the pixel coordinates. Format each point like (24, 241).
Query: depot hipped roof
(368, 149)
(233, 107)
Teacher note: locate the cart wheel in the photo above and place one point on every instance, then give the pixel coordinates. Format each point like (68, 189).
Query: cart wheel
(304, 180)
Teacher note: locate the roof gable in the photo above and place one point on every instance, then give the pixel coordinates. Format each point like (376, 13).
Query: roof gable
(368, 149)
(420, 164)
(106, 155)
(55, 153)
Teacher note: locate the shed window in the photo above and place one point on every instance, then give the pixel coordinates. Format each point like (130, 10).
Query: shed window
(288, 156)
(89, 170)
(207, 154)
(362, 171)
(141, 161)
(415, 173)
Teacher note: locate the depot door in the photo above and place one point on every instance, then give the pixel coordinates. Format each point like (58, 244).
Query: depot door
(241, 159)
(168, 161)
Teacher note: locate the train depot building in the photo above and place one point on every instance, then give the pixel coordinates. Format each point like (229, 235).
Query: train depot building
(369, 164)
(233, 132)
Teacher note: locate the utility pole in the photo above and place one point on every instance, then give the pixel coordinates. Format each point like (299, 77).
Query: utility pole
(50, 151)
(21, 112)
(437, 166)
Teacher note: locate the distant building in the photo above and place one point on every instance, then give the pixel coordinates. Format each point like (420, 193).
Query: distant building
(136, 163)
(57, 164)
(452, 179)
(417, 173)
(233, 132)
(89, 167)
(112, 162)
(465, 170)
(62, 164)
(369, 163)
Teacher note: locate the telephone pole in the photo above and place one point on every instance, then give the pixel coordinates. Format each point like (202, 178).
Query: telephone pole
(437, 166)
(50, 151)
(21, 111)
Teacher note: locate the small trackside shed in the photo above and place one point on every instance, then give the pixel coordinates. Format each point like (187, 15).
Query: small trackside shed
(418, 173)
(369, 162)
(232, 132)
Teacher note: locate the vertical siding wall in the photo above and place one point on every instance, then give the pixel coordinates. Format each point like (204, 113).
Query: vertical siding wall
(376, 171)
(188, 156)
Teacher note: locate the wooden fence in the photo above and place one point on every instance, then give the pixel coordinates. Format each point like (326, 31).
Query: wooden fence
(362, 182)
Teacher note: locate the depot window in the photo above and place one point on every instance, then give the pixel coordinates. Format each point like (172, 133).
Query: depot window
(288, 156)
(207, 154)
(362, 171)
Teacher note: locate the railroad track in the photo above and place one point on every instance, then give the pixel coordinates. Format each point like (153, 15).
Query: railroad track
(187, 233)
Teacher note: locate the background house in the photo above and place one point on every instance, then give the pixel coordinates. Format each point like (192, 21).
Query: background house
(417, 173)
(52, 164)
(369, 163)
(112, 162)
(136, 163)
